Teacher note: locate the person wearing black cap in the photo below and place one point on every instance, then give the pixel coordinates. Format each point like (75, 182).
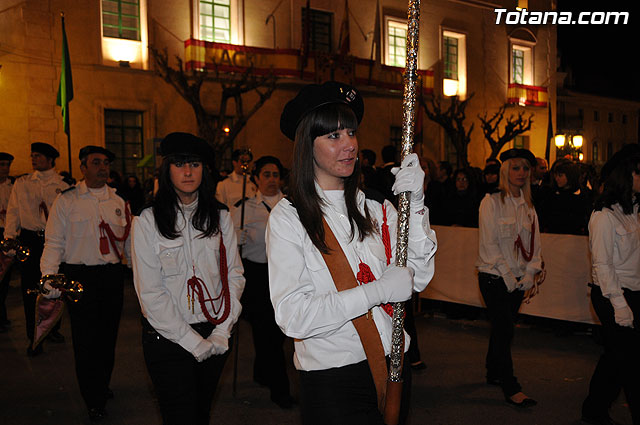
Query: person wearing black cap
(327, 228)
(6, 183)
(229, 190)
(188, 277)
(86, 237)
(269, 365)
(507, 219)
(27, 212)
(614, 241)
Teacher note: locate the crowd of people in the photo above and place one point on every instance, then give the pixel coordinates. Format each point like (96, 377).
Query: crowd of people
(312, 257)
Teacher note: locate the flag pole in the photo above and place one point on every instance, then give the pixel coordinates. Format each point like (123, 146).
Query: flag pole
(65, 89)
(394, 383)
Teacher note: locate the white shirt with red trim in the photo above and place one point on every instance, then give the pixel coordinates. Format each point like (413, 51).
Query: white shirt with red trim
(162, 267)
(72, 234)
(29, 191)
(305, 299)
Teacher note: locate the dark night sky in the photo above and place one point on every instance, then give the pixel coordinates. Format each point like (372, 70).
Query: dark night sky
(603, 58)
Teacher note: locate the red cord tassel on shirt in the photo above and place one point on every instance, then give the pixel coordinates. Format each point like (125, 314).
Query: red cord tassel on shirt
(520, 246)
(195, 286)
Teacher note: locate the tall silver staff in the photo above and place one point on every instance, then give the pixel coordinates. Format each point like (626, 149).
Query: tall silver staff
(394, 384)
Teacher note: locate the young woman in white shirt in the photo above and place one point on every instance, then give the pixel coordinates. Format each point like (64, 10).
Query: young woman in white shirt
(336, 383)
(614, 240)
(508, 261)
(188, 277)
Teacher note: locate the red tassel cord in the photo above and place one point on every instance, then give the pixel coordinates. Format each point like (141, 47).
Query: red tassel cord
(107, 232)
(519, 246)
(196, 287)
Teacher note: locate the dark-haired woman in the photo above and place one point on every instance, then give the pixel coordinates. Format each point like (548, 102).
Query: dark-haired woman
(269, 366)
(508, 261)
(614, 239)
(188, 276)
(324, 297)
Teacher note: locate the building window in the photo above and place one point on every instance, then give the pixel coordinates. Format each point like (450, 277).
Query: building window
(595, 154)
(518, 66)
(396, 42)
(610, 116)
(121, 19)
(215, 20)
(123, 136)
(609, 150)
(596, 116)
(450, 58)
(454, 62)
(320, 24)
(624, 118)
(521, 64)
(521, 142)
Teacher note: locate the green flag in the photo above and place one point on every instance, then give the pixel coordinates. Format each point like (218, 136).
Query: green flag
(65, 90)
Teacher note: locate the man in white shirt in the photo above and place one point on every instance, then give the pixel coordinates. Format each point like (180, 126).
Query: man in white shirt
(6, 183)
(27, 212)
(86, 237)
(229, 190)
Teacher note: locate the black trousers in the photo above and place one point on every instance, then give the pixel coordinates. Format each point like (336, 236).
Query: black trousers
(94, 327)
(269, 367)
(619, 365)
(30, 276)
(184, 387)
(4, 290)
(347, 395)
(502, 308)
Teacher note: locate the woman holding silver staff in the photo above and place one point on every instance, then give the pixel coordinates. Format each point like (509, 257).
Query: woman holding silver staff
(508, 261)
(331, 262)
(614, 240)
(188, 277)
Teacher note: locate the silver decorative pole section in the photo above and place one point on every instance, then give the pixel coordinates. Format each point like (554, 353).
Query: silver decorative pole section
(394, 386)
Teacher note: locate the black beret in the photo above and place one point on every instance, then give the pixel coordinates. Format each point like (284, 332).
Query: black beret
(313, 96)
(6, 156)
(187, 144)
(89, 149)
(492, 169)
(519, 153)
(45, 149)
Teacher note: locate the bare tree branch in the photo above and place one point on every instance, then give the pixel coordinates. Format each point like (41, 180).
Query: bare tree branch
(513, 127)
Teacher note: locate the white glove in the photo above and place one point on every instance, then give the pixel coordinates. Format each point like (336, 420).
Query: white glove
(622, 313)
(243, 236)
(203, 350)
(53, 292)
(526, 282)
(394, 286)
(219, 341)
(410, 178)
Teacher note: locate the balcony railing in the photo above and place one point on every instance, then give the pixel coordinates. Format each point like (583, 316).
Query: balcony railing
(200, 55)
(524, 95)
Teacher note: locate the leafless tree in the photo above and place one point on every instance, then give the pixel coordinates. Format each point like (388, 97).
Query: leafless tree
(452, 120)
(211, 124)
(514, 126)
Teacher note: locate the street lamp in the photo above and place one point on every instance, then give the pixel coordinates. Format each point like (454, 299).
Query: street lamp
(569, 144)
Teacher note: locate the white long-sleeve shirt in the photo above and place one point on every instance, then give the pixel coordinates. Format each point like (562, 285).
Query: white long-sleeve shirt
(161, 268)
(305, 299)
(256, 214)
(614, 239)
(23, 211)
(229, 190)
(72, 234)
(5, 193)
(500, 224)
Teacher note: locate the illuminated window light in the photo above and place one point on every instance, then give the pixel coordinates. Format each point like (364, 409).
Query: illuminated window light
(450, 87)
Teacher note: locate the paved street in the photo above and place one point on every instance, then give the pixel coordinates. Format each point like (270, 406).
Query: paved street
(553, 369)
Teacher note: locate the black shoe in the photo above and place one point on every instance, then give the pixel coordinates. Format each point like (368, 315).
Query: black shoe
(32, 352)
(527, 402)
(598, 420)
(283, 401)
(97, 414)
(55, 337)
(418, 366)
